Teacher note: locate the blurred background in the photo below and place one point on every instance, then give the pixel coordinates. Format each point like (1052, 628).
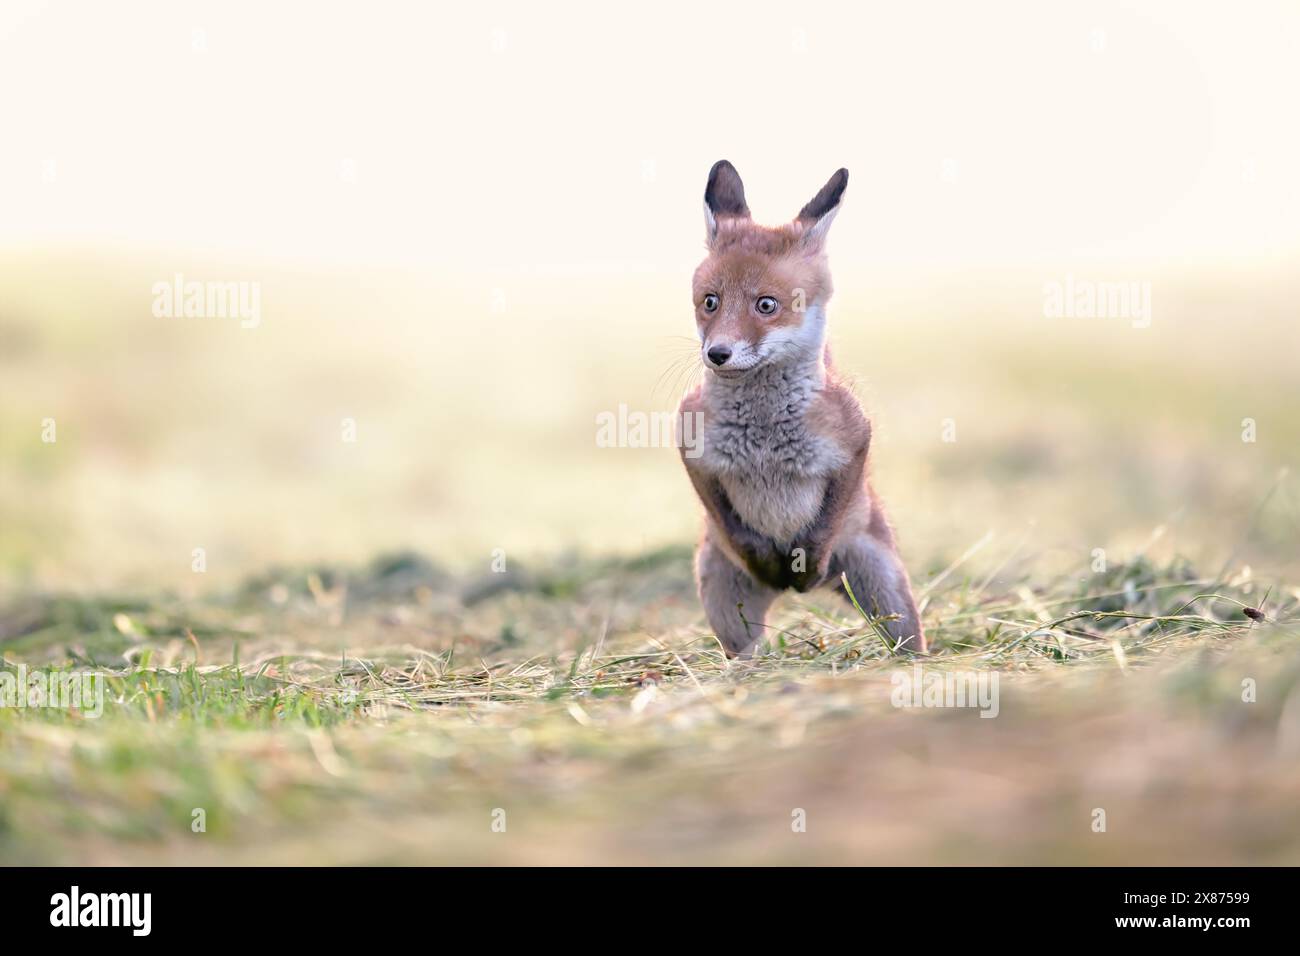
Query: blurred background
(473, 232)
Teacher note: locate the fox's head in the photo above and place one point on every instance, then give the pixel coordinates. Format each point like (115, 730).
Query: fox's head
(760, 295)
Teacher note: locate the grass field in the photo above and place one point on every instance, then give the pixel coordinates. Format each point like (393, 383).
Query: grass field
(586, 703)
(348, 680)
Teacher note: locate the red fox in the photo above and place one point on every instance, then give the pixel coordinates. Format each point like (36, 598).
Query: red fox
(781, 465)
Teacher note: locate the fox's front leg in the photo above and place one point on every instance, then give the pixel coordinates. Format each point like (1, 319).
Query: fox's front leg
(734, 602)
(879, 581)
(814, 545)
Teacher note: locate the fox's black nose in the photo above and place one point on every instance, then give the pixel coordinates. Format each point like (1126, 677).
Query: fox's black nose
(719, 354)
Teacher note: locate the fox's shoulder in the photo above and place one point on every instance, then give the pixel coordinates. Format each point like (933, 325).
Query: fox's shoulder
(689, 422)
(836, 413)
(692, 401)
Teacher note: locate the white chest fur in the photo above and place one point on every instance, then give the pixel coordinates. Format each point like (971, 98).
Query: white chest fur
(773, 467)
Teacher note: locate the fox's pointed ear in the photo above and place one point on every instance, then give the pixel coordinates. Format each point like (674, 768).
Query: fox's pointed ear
(817, 216)
(724, 196)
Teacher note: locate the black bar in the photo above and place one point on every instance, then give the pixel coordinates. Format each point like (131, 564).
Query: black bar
(330, 906)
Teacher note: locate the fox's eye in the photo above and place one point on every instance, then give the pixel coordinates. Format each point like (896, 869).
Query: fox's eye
(710, 302)
(765, 305)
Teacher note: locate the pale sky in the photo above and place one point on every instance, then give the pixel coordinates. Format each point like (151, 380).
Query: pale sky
(496, 136)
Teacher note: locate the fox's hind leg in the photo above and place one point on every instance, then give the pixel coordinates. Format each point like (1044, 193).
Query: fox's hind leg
(880, 584)
(735, 604)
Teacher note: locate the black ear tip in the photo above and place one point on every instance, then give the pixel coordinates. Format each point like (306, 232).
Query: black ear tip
(720, 166)
(827, 198)
(725, 194)
(837, 185)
